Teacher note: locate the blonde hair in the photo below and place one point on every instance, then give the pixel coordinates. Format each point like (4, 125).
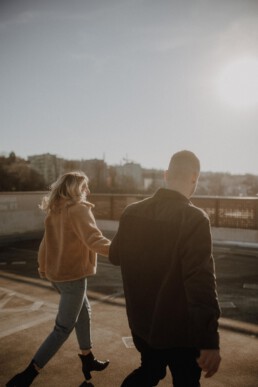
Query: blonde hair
(70, 187)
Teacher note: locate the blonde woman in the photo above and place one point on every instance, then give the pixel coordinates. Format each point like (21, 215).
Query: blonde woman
(67, 256)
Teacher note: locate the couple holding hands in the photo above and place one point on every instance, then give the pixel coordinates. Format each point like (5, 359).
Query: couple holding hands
(163, 246)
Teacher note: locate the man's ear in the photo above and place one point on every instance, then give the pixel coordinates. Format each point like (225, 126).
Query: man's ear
(195, 176)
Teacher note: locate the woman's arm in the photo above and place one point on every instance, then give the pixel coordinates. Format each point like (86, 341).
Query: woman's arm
(85, 227)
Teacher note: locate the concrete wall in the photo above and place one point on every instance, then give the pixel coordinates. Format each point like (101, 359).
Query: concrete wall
(234, 234)
(218, 234)
(20, 218)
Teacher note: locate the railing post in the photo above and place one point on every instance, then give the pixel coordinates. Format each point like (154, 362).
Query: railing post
(256, 213)
(217, 207)
(112, 207)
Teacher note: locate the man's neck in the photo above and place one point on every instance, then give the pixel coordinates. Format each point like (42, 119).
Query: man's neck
(181, 188)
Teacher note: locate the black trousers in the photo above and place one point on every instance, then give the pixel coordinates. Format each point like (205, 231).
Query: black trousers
(181, 362)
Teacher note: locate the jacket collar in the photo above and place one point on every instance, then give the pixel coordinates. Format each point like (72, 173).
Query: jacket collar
(163, 193)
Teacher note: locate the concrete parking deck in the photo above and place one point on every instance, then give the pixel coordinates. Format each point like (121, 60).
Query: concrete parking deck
(27, 311)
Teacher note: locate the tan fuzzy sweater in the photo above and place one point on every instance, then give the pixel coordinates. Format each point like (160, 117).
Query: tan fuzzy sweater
(68, 250)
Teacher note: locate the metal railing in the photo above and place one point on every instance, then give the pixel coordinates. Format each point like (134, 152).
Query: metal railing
(231, 212)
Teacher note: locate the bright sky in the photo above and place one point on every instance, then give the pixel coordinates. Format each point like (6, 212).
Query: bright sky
(135, 79)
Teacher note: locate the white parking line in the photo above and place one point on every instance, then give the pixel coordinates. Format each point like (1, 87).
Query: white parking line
(26, 319)
(128, 342)
(26, 297)
(47, 310)
(18, 263)
(227, 304)
(108, 297)
(250, 286)
(21, 327)
(36, 305)
(105, 264)
(6, 299)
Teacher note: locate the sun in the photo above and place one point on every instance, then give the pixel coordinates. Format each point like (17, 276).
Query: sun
(237, 83)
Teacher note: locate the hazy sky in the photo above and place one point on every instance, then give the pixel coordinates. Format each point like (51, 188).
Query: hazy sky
(135, 79)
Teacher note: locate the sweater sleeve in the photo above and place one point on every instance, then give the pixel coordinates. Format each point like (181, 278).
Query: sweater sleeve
(42, 258)
(200, 286)
(85, 227)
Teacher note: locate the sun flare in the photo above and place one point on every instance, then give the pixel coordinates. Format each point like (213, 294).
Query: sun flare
(237, 83)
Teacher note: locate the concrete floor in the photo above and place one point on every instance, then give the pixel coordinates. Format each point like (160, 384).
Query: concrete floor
(28, 306)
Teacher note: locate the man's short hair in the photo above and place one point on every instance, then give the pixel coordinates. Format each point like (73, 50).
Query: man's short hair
(183, 163)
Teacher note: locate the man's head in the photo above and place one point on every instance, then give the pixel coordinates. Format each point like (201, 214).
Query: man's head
(183, 172)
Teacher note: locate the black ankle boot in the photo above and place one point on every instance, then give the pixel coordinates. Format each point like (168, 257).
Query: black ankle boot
(89, 363)
(25, 378)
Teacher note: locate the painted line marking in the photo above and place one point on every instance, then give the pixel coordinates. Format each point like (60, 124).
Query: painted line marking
(227, 304)
(27, 325)
(18, 263)
(36, 305)
(6, 299)
(220, 256)
(47, 310)
(128, 342)
(28, 298)
(250, 286)
(24, 250)
(105, 264)
(109, 297)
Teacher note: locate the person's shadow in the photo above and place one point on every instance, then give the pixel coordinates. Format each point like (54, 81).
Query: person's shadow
(85, 384)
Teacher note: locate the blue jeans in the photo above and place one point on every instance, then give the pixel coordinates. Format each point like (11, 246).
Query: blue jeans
(74, 312)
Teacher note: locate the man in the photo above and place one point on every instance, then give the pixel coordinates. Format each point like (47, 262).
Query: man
(164, 248)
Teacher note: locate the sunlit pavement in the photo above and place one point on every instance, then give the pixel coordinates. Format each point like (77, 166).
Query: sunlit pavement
(28, 306)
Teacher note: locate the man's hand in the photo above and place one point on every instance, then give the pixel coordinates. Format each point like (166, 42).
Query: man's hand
(209, 361)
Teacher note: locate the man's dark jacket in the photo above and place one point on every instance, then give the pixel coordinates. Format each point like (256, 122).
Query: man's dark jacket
(163, 245)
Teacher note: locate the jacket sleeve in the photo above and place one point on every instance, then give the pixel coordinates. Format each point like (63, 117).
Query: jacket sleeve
(85, 227)
(42, 258)
(114, 250)
(200, 286)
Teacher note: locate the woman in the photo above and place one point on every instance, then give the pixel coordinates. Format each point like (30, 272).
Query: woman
(67, 256)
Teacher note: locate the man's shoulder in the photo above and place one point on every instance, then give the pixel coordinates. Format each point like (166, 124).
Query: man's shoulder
(137, 206)
(197, 212)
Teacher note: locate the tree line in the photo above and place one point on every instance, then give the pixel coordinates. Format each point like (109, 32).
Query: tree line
(16, 174)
